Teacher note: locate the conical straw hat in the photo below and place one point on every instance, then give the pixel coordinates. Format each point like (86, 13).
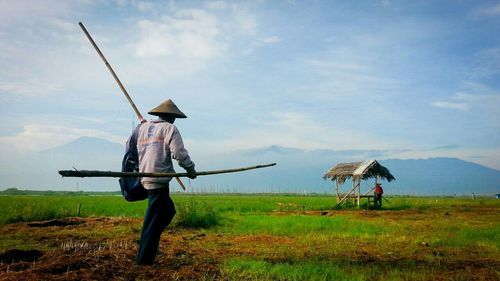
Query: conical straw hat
(167, 107)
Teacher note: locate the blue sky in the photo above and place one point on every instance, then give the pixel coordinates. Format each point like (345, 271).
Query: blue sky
(413, 79)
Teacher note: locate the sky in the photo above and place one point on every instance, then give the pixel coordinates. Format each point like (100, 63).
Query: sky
(412, 79)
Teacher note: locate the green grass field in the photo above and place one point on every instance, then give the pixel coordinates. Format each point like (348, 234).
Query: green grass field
(279, 237)
(42, 207)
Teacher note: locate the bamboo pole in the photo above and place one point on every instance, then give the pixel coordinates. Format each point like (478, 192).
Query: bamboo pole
(368, 191)
(111, 174)
(180, 183)
(141, 119)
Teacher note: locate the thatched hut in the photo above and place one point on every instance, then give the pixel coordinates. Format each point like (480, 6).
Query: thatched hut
(357, 171)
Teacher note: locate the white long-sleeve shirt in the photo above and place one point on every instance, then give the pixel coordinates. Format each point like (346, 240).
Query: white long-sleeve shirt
(157, 143)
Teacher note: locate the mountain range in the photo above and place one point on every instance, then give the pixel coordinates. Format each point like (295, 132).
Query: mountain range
(297, 170)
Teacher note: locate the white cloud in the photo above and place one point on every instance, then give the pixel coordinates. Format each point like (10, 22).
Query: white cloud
(191, 34)
(386, 3)
(38, 56)
(30, 88)
(144, 6)
(297, 130)
(14, 11)
(450, 105)
(343, 78)
(465, 101)
(92, 119)
(258, 43)
(481, 99)
(63, 25)
(38, 137)
(271, 40)
(216, 5)
(488, 11)
(140, 5)
(184, 41)
(327, 67)
(487, 63)
(244, 20)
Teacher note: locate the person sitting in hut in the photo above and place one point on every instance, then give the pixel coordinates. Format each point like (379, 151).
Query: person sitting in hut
(378, 195)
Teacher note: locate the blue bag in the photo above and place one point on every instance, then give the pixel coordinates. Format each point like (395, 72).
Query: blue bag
(132, 189)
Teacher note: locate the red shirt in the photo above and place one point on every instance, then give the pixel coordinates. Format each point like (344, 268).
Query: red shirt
(379, 190)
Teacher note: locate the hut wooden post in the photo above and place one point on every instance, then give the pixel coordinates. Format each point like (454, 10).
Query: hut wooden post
(354, 189)
(337, 190)
(358, 184)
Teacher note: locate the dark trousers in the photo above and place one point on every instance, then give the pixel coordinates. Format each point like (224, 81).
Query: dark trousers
(378, 200)
(160, 212)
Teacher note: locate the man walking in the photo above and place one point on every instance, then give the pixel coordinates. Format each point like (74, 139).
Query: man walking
(157, 142)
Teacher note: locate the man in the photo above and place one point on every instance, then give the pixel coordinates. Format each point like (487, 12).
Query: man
(378, 195)
(157, 142)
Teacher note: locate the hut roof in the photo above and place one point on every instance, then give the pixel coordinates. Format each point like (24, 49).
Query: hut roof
(364, 170)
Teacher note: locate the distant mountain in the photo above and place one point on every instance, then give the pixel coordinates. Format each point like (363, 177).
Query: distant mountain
(300, 170)
(85, 153)
(87, 146)
(442, 176)
(272, 149)
(297, 170)
(39, 170)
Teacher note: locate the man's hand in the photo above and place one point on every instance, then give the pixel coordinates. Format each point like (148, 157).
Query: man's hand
(191, 173)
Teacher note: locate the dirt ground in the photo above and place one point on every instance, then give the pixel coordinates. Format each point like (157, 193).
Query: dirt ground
(105, 248)
(76, 255)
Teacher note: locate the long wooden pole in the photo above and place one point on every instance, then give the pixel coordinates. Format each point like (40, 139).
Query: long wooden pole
(112, 72)
(111, 174)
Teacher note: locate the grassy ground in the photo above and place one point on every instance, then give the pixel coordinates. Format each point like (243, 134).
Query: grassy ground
(273, 237)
